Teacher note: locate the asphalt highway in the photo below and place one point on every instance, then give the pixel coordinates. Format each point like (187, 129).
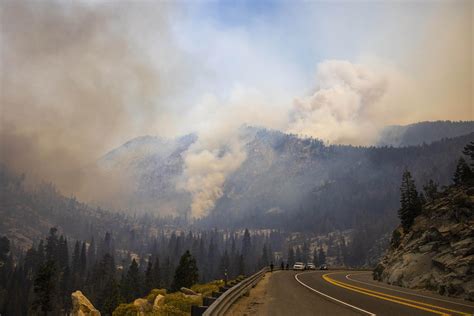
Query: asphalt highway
(352, 293)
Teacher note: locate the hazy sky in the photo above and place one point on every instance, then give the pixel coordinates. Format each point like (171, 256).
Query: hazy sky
(80, 78)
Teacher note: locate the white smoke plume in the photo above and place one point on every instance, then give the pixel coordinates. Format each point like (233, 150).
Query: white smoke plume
(341, 109)
(220, 150)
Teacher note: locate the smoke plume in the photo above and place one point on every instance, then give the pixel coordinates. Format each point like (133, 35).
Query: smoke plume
(339, 111)
(75, 83)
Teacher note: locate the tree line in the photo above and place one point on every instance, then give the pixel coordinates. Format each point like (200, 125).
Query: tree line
(41, 280)
(411, 200)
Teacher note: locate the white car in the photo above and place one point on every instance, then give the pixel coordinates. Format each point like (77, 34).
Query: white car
(298, 266)
(310, 266)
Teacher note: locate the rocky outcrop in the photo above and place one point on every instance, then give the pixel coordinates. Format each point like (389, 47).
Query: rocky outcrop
(437, 253)
(81, 306)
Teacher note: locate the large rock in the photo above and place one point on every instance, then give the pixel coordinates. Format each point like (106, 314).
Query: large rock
(143, 306)
(187, 291)
(437, 253)
(158, 302)
(81, 306)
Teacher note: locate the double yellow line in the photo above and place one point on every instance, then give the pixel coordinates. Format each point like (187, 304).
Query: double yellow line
(396, 299)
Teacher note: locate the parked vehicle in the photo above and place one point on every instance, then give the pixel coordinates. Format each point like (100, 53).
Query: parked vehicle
(298, 266)
(310, 266)
(323, 267)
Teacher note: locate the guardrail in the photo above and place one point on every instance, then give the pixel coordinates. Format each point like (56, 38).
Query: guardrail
(224, 300)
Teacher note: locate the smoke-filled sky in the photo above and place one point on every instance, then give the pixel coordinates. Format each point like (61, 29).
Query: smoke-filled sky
(79, 78)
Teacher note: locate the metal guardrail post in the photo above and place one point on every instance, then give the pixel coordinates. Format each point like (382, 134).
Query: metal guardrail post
(222, 304)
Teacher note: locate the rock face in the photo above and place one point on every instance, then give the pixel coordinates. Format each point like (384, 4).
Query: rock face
(437, 253)
(81, 306)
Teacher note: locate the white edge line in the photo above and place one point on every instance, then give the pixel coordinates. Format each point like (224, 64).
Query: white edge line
(332, 298)
(415, 294)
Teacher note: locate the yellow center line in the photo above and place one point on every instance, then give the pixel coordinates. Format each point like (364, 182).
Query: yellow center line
(391, 298)
(399, 298)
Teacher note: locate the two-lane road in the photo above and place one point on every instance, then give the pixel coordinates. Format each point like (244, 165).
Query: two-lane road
(351, 293)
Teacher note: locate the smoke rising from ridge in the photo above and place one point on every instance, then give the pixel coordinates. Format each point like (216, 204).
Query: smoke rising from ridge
(80, 78)
(75, 83)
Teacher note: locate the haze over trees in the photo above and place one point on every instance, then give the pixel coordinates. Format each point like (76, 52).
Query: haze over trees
(115, 257)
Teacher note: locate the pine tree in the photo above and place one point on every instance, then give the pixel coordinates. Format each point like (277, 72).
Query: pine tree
(52, 245)
(186, 273)
(410, 204)
(224, 265)
(241, 265)
(264, 260)
(156, 275)
(149, 282)
(45, 288)
(291, 256)
(91, 254)
(315, 257)
(463, 173)
(132, 285)
(469, 151)
(246, 249)
(305, 252)
(321, 255)
(298, 257)
(431, 190)
(83, 259)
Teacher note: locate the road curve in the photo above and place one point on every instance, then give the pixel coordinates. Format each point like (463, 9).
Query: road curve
(352, 293)
(357, 290)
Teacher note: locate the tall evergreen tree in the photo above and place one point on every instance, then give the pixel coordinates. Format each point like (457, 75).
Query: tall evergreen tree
(186, 273)
(321, 255)
(45, 288)
(149, 282)
(291, 256)
(431, 190)
(469, 151)
(132, 283)
(224, 265)
(463, 173)
(246, 249)
(410, 205)
(315, 257)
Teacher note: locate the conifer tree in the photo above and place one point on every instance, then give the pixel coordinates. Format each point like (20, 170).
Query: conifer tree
(246, 249)
(315, 257)
(463, 173)
(291, 256)
(469, 151)
(149, 282)
(431, 190)
(186, 273)
(321, 255)
(156, 274)
(224, 265)
(45, 288)
(410, 205)
(132, 285)
(241, 265)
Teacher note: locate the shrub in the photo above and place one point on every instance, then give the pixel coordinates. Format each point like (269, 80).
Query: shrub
(207, 288)
(126, 310)
(182, 302)
(154, 293)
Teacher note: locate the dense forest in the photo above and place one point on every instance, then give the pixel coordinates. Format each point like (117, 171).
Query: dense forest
(52, 245)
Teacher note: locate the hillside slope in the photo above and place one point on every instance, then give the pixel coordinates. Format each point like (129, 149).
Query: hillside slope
(437, 253)
(423, 132)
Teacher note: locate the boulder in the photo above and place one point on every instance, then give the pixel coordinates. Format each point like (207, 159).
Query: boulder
(158, 302)
(187, 291)
(81, 306)
(142, 306)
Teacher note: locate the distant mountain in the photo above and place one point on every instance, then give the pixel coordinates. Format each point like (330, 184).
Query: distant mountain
(153, 165)
(292, 183)
(423, 132)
